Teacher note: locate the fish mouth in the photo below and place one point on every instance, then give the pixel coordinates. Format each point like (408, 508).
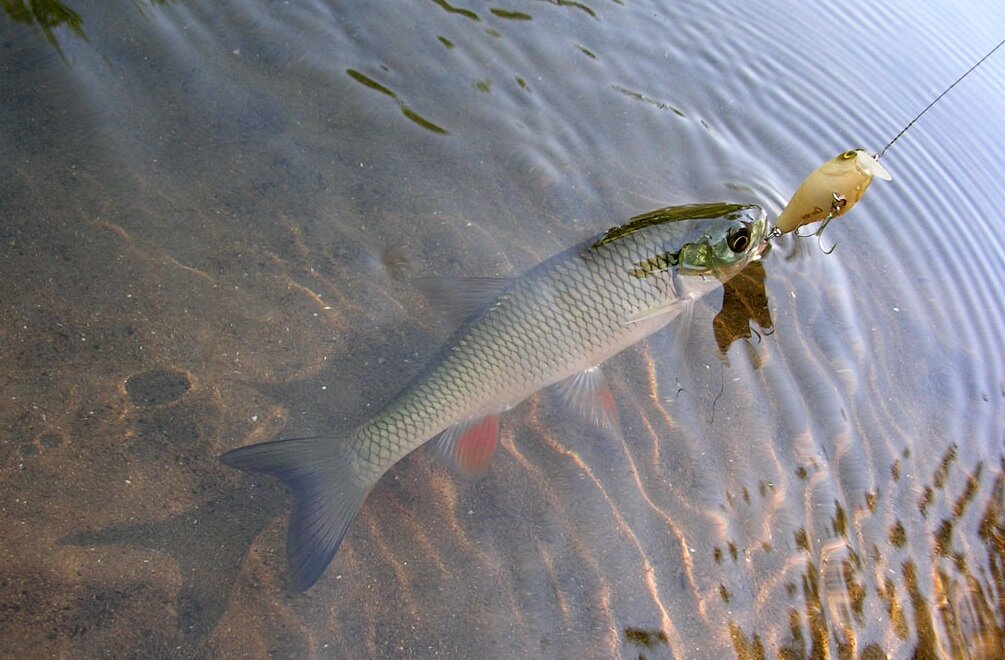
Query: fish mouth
(762, 236)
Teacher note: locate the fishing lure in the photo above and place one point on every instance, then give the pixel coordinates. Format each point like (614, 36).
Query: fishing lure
(836, 186)
(830, 191)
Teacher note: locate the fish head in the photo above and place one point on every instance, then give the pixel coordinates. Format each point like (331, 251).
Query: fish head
(725, 245)
(716, 239)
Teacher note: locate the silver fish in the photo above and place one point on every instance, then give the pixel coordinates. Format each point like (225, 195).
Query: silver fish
(553, 324)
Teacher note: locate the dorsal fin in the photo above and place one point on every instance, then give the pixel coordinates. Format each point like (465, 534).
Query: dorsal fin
(458, 298)
(669, 214)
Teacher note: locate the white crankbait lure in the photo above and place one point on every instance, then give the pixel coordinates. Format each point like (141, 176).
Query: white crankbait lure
(836, 186)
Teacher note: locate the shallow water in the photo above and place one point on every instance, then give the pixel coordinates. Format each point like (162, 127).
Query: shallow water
(193, 197)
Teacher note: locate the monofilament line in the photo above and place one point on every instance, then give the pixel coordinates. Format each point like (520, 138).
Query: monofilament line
(981, 61)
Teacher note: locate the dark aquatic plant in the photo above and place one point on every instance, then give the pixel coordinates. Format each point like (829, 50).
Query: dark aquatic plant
(45, 15)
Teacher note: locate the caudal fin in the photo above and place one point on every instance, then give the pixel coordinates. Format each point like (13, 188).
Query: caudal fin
(327, 492)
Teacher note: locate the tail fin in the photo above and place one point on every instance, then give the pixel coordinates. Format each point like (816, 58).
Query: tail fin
(328, 494)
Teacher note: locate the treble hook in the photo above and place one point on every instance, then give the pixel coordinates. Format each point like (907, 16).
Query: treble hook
(839, 203)
(819, 234)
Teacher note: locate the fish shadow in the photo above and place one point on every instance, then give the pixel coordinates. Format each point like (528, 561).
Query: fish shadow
(209, 542)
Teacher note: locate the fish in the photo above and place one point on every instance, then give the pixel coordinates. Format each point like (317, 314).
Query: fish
(831, 190)
(554, 324)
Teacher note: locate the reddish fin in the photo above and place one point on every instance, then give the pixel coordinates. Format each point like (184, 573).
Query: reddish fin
(589, 395)
(468, 447)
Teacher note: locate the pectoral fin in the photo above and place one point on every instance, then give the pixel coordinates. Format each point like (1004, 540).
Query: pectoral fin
(468, 447)
(672, 307)
(589, 395)
(681, 300)
(681, 327)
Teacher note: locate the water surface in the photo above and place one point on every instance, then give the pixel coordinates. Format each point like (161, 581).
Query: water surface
(194, 198)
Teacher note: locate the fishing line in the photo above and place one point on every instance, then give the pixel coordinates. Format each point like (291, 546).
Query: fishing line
(938, 98)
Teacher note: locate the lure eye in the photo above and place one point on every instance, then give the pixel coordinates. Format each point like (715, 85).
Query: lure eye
(738, 239)
(848, 155)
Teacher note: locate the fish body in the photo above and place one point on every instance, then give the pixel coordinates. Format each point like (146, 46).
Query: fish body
(555, 323)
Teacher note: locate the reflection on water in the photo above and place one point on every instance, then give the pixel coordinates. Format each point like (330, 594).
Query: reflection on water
(48, 15)
(186, 227)
(45, 15)
(405, 110)
(744, 301)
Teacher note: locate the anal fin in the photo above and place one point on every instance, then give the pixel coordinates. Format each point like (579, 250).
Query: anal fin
(468, 447)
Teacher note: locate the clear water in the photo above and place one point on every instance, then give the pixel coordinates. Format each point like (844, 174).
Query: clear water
(192, 198)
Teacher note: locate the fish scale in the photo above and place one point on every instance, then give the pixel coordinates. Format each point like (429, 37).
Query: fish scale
(559, 319)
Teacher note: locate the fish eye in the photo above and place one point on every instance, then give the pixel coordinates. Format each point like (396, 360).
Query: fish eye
(738, 239)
